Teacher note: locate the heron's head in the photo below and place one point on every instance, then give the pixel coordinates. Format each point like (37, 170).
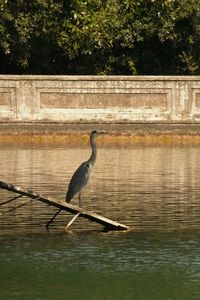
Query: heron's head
(97, 132)
(94, 134)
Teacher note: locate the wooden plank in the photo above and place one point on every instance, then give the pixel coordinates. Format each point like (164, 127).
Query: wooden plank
(73, 209)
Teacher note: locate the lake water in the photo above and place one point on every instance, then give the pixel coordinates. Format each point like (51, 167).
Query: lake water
(154, 190)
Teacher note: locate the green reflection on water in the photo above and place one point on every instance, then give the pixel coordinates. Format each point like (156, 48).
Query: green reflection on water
(100, 266)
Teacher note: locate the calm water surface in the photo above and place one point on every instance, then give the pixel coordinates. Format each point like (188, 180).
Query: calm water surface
(154, 190)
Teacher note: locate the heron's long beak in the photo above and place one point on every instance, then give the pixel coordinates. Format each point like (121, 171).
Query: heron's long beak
(102, 132)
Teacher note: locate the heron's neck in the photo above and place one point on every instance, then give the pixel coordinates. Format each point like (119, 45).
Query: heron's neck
(93, 156)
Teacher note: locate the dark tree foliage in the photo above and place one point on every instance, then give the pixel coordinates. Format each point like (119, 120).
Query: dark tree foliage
(126, 37)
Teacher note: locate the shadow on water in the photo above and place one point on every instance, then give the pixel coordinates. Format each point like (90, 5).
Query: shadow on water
(155, 190)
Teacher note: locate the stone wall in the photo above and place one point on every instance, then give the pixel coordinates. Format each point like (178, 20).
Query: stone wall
(105, 99)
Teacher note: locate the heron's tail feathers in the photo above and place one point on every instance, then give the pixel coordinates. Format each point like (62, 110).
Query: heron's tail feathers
(67, 198)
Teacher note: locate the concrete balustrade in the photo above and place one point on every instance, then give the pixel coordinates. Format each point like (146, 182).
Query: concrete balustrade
(100, 99)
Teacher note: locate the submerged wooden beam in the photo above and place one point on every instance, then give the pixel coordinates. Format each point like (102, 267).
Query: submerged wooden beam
(72, 221)
(73, 209)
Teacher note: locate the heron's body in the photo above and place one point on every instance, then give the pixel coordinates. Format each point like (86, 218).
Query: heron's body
(78, 181)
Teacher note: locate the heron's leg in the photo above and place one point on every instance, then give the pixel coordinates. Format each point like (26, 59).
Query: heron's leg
(80, 198)
(54, 216)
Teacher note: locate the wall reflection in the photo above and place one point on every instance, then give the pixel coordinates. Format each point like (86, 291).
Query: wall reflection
(148, 188)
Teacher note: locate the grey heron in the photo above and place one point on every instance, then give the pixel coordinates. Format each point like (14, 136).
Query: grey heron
(82, 175)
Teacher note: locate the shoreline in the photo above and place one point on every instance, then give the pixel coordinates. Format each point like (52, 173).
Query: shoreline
(118, 134)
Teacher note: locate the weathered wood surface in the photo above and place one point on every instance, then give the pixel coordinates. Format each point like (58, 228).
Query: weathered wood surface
(92, 216)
